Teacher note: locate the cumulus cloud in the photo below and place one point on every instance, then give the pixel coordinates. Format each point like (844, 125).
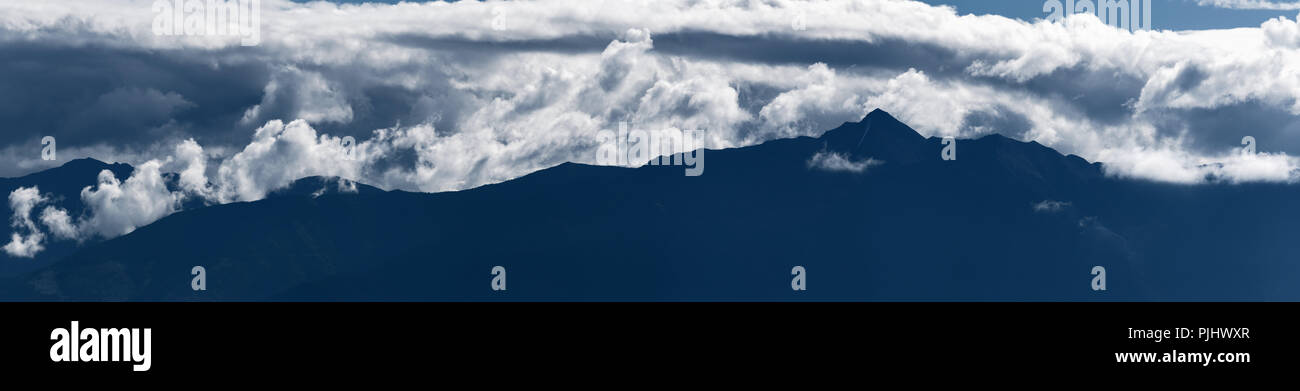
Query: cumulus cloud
(193, 167)
(1283, 32)
(278, 155)
(821, 101)
(26, 240)
(306, 95)
(119, 207)
(59, 223)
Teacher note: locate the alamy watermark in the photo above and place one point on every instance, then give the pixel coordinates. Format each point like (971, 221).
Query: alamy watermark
(499, 278)
(800, 280)
(498, 22)
(631, 148)
(239, 18)
(349, 144)
(200, 280)
(800, 21)
(49, 150)
(1131, 15)
(77, 344)
(1098, 278)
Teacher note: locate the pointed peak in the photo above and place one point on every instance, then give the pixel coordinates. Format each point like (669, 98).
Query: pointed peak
(881, 125)
(878, 114)
(878, 135)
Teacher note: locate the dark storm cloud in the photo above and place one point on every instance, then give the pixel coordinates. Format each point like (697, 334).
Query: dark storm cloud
(1103, 96)
(887, 52)
(132, 98)
(85, 95)
(1220, 128)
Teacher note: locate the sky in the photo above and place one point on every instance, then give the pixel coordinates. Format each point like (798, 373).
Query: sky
(1167, 14)
(447, 96)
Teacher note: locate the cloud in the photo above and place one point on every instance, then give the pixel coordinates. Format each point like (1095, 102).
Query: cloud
(1283, 32)
(112, 208)
(1050, 206)
(518, 86)
(59, 223)
(1174, 166)
(119, 207)
(837, 162)
(306, 95)
(278, 155)
(193, 169)
(821, 101)
(24, 245)
(341, 185)
(1251, 4)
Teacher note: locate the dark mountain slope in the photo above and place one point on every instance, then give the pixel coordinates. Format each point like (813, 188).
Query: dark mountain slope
(912, 228)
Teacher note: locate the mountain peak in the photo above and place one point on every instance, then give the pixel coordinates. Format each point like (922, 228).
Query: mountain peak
(882, 125)
(878, 135)
(878, 113)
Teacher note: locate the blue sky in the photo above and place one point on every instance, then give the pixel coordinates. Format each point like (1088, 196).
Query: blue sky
(1167, 14)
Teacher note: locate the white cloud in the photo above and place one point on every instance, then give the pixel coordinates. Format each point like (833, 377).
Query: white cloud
(113, 208)
(280, 154)
(59, 223)
(1283, 32)
(934, 108)
(1169, 165)
(837, 162)
(193, 169)
(119, 207)
(307, 95)
(22, 201)
(821, 101)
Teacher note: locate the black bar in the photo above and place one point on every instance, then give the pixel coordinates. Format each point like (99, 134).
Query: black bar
(291, 339)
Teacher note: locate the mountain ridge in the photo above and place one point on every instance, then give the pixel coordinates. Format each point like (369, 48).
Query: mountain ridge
(1005, 221)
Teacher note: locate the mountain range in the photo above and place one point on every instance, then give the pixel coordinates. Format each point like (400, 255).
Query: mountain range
(870, 210)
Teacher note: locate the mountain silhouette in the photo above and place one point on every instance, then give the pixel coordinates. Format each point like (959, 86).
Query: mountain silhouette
(1006, 220)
